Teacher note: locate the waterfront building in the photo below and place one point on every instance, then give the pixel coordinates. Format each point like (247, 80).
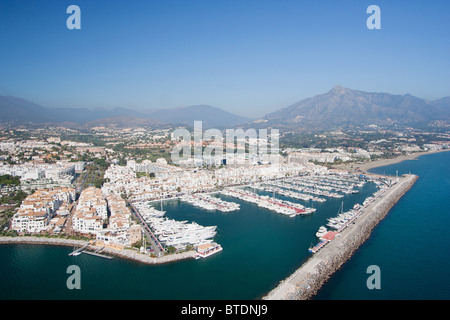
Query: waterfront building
(37, 209)
(135, 234)
(112, 238)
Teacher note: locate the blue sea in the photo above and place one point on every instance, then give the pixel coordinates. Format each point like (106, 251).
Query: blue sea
(411, 245)
(261, 248)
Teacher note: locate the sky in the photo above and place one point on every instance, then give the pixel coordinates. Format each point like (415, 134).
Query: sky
(249, 57)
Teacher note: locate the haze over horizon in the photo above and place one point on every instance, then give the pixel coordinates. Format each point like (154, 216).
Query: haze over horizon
(248, 57)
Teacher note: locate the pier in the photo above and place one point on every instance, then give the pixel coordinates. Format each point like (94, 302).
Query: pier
(304, 283)
(280, 206)
(98, 254)
(84, 248)
(79, 250)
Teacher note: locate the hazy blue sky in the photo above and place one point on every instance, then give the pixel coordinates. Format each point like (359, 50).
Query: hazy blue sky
(249, 57)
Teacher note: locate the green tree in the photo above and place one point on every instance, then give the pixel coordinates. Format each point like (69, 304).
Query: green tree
(171, 249)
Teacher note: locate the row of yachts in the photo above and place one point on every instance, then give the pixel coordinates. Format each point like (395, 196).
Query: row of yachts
(328, 185)
(174, 233)
(298, 184)
(208, 202)
(344, 219)
(281, 206)
(283, 189)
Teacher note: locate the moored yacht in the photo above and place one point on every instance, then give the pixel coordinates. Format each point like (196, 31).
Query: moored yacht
(321, 232)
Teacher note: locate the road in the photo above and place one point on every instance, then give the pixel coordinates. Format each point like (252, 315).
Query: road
(152, 241)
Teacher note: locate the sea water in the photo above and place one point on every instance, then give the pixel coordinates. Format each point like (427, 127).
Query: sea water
(261, 248)
(411, 245)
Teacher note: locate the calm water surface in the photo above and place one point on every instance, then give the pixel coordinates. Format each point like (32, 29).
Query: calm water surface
(261, 248)
(411, 245)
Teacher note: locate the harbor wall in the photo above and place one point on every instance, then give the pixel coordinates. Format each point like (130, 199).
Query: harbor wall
(304, 283)
(125, 253)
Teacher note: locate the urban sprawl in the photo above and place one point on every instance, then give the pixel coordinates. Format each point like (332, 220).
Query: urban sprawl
(111, 186)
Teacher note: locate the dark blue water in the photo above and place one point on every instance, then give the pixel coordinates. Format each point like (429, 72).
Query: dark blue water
(411, 245)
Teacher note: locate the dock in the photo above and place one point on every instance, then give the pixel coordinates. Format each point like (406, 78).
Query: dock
(98, 254)
(84, 248)
(79, 250)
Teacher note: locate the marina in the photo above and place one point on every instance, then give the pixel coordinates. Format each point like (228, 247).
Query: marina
(280, 188)
(336, 247)
(249, 236)
(232, 228)
(281, 206)
(170, 232)
(344, 219)
(329, 185)
(208, 202)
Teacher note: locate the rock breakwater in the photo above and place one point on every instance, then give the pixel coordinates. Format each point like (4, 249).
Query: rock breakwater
(304, 283)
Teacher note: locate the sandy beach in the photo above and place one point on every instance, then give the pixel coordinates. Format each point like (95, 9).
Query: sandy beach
(366, 166)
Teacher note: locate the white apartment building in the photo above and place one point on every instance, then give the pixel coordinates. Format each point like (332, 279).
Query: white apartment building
(38, 209)
(93, 198)
(91, 211)
(86, 220)
(120, 217)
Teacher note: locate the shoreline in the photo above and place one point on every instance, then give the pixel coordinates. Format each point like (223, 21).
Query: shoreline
(366, 166)
(124, 254)
(306, 281)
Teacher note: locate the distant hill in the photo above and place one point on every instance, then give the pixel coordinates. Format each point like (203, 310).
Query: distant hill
(19, 111)
(211, 117)
(443, 103)
(336, 108)
(342, 106)
(124, 122)
(83, 115)
(16, 110)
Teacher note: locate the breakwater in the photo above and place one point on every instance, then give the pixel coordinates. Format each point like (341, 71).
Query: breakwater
(125, 253)
(304, 283)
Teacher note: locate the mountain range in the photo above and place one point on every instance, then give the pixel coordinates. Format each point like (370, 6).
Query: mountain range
(19, 111)
(342, 106)
(336, 108)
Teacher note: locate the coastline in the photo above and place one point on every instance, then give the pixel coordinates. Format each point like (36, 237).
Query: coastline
(310, 287)
(305, 282)
(124, 254)
(366, 166)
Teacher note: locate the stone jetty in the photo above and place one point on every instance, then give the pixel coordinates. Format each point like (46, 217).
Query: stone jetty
(304, 283)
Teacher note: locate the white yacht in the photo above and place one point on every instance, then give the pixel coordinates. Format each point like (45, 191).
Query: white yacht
(321, 232)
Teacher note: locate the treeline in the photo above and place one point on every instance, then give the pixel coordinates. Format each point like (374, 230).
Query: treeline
(13, 198)
(9, 180)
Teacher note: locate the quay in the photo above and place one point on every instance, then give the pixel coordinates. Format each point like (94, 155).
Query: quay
(124, 254)
(97, 254)
(304, 283)
(155, 244)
